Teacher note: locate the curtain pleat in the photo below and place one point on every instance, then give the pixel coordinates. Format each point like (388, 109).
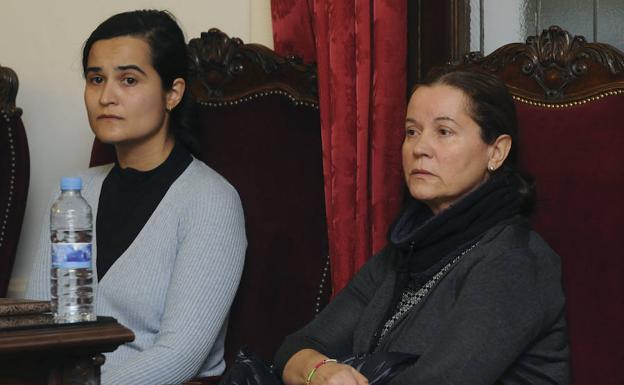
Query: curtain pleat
(360, 47)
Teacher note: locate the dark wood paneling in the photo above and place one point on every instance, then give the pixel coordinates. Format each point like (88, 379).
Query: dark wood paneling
(438, 33)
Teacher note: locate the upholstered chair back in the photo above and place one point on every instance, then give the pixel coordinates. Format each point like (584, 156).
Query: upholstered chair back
(259, 127)
(570, 102)
(14, 174)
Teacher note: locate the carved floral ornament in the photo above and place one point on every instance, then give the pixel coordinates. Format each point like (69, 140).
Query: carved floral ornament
(218, 62)
(215, 59)
(554, 60)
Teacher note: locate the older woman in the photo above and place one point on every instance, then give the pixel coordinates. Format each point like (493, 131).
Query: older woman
(464, 284)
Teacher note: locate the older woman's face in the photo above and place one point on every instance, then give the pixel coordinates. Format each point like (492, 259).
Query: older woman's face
(444, 156)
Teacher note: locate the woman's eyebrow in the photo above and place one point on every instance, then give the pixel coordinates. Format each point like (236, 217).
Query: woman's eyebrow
(119, 68)
(131, 67)
(445, 118)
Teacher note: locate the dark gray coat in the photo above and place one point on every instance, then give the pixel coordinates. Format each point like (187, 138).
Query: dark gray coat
(497, 315)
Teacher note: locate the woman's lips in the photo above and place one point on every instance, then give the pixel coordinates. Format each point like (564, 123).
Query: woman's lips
(420, 172)
(107, 116)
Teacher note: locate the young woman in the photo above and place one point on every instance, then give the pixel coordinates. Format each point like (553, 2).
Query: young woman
(464, 286)
(169, 238)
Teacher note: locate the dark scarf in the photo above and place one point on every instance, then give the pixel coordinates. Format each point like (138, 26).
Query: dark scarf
(424, 243)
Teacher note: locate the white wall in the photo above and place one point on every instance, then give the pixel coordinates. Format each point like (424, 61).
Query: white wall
(42, 42)
(502, 24)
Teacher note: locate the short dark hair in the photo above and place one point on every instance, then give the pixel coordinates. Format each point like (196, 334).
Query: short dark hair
(492, 107)
(168, 53)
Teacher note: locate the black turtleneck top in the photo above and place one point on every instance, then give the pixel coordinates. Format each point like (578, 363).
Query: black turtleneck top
(127, 200)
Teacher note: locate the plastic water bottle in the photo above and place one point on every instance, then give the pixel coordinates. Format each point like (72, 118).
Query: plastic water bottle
(71, 275)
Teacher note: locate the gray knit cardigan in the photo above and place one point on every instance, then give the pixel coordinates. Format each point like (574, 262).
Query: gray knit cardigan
(174, 285)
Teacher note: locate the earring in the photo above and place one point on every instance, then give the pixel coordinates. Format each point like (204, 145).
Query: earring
(491, 168)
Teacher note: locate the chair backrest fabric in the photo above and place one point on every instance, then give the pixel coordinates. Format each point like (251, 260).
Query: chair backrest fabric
(259, 127)
(14, 174)
(570, 103)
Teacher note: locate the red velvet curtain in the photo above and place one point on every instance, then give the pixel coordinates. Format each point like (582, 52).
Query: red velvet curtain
(360, 47)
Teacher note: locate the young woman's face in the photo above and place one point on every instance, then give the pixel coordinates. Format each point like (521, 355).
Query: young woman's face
(444, 156)
(124, 96)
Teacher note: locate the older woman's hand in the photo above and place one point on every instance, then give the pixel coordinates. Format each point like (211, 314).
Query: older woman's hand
(298, 369)
(338, 374)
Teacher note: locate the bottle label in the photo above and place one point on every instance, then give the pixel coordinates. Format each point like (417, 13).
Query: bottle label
(71, 255)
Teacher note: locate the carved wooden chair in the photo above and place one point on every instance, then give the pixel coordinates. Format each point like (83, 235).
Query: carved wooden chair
(14, 174)
(570, 102)
(260, 129)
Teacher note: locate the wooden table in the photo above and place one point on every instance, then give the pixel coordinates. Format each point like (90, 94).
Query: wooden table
(57, 354)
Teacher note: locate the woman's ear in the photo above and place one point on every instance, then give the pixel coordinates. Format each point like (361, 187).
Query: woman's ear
(499, 150)
(175, 93)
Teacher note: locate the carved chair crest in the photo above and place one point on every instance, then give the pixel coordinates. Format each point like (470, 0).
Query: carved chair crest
(554, 67)
(8, 92)
(224, 69)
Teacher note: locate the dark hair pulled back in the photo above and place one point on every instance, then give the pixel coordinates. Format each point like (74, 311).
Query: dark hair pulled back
(169, 58)
(492, 107)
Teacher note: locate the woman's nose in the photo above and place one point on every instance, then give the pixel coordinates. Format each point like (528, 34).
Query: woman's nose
(107, 94)
(422, 145)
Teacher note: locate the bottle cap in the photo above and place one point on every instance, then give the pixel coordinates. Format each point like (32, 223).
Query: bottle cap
(71, 183)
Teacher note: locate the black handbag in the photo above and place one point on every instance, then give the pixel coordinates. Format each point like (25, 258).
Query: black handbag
(379, 368)
(249, 369)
